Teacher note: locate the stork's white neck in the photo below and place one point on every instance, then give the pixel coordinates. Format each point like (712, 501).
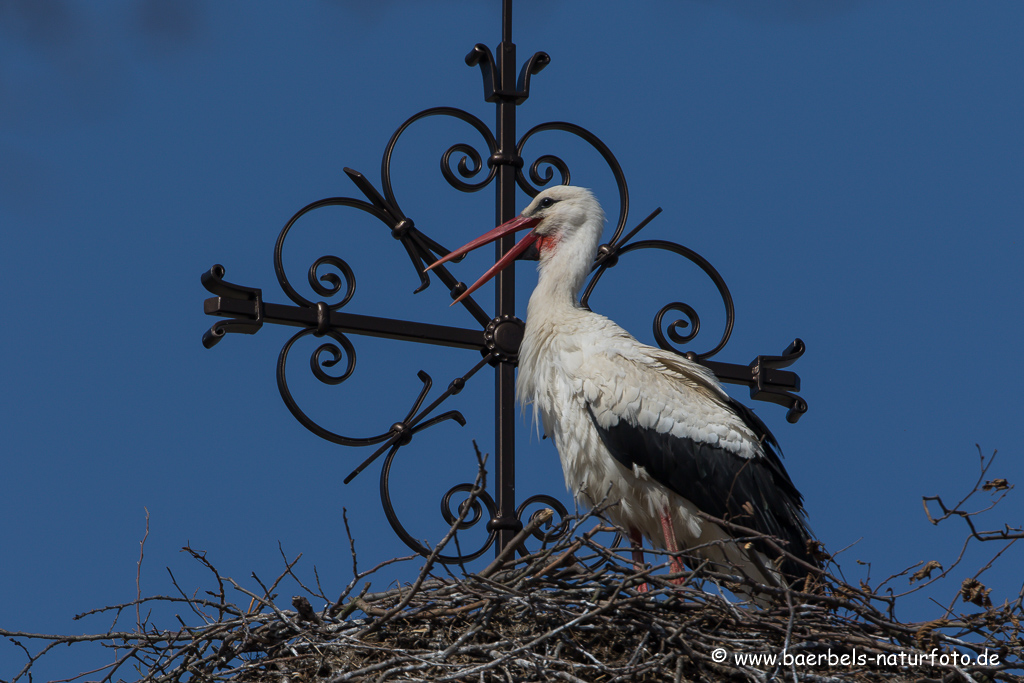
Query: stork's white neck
(564, 266)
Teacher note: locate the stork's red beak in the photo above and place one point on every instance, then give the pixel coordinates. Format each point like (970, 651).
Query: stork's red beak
(507, 228)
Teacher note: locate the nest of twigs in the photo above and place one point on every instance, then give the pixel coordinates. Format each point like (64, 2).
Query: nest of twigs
(575, 610)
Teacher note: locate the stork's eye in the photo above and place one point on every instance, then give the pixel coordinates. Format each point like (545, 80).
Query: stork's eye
(545, 203)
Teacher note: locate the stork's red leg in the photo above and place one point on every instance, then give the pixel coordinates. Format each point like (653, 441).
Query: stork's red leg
(636, 541)
(671, 544)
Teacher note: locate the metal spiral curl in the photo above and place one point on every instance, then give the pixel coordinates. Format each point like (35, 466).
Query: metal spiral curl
(326, 284)
(317, 364)
(474, 507)
(553, 161)
(474, 516)
(329, 284)
(555, 531)
(465, 170)
(467, 152)
(693, 319)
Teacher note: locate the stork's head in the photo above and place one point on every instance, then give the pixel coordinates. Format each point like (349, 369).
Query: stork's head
(565, 225)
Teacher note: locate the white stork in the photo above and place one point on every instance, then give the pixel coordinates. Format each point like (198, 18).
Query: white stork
(644, 429)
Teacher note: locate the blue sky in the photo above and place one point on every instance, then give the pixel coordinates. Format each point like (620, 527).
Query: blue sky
(853, 169)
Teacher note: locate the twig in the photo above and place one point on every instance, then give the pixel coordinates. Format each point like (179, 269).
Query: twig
(138, 574)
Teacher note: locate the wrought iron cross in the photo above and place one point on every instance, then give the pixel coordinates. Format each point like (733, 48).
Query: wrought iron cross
(244, 310)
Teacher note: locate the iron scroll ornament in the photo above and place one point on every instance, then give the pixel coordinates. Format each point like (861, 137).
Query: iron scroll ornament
(247, 313)
(330, 277)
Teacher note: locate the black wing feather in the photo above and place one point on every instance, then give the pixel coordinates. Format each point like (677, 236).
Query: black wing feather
(719, 482)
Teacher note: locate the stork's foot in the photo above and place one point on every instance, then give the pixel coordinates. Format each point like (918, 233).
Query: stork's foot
(636, 542)
(677, 567)
(675, 564)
